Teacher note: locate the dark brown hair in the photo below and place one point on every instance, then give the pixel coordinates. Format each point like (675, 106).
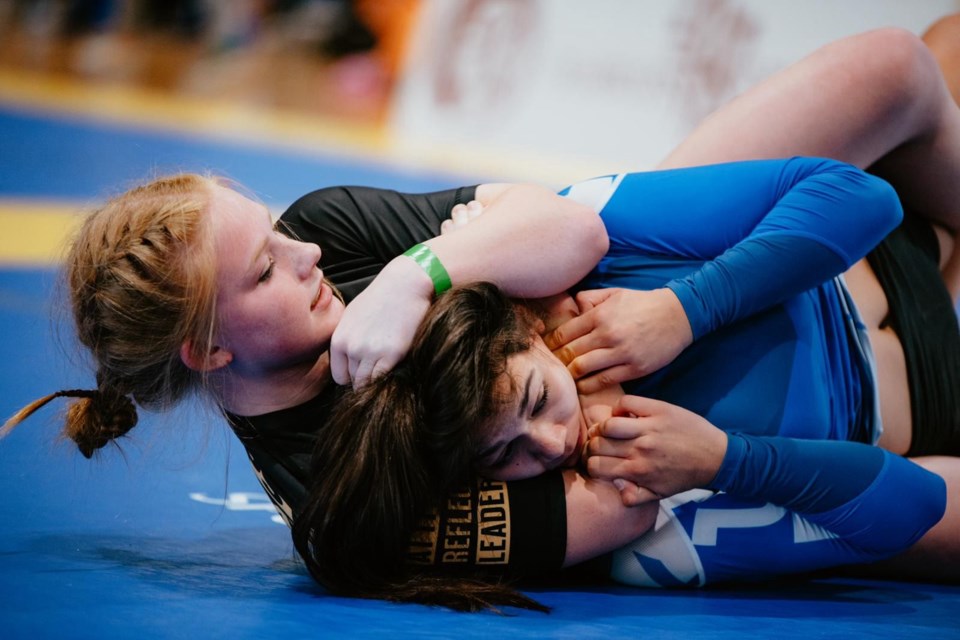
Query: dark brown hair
(397, 446)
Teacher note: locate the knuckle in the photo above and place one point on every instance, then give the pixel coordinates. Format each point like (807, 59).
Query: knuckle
(558, 336)
(593, 467)
(592, 447)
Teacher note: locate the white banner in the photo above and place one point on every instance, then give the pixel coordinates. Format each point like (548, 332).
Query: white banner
(559, 89)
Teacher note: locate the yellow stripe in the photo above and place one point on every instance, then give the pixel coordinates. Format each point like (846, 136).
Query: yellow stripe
(162, 111)
(34, 233)
(158, 110)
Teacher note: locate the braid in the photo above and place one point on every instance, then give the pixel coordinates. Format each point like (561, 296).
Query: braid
(94, 419)
(99, 416)
(142, 282)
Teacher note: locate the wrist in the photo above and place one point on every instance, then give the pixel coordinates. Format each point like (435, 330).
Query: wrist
(679, 320)
(424, 257)
(718, 454)
(404, 274)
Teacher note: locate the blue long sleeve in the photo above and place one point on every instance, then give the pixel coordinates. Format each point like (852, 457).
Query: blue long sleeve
(874, 500)
(764, 230)
(826, 216)
(786, 506)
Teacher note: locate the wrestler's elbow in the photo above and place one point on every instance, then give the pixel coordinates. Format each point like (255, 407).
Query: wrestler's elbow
(591, 233)
(597, 521)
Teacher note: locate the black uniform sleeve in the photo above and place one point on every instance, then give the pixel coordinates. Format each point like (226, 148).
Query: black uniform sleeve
(516, 529)
(360, 229)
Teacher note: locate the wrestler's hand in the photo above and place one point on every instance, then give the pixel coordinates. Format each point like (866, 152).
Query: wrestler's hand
(460, 216)
(652, 449)
(620, 335)
(366, 343)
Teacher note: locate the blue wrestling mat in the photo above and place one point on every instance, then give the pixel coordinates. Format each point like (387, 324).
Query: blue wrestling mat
(171, 536)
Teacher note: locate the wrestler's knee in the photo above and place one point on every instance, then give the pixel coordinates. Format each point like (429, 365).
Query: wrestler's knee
(904, 70)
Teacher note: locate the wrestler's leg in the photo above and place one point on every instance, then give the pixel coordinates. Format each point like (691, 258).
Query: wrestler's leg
(875, 100)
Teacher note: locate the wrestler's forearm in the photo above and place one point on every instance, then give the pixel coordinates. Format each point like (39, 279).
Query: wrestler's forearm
(597, 521)
(529, 241)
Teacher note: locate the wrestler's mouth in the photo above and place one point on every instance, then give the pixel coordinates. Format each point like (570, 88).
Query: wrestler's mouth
(573, 460)
(322, 296)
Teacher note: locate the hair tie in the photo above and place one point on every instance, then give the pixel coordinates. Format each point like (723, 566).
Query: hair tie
(76, 393)
(99, 418)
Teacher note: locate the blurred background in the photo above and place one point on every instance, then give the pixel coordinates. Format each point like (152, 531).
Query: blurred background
(525, 89)
(332, 57)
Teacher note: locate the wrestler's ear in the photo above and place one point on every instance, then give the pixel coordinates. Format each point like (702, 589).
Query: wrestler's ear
(539, 326)
(214, 358)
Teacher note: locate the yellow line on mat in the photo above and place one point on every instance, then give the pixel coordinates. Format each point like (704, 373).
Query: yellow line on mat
(225, 119)
(155, 109)
(33, 233)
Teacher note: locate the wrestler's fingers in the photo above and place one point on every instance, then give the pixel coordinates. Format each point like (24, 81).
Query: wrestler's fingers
(632, 494)
(624, 427)
(607, 447)
(382, 366)
(460, 216)
(568, 332)
(576, 348)
(339, 366)
(639, 406)
(362, 372)
(590, 355)
(604, 378)
(609, 468)
(590, 298)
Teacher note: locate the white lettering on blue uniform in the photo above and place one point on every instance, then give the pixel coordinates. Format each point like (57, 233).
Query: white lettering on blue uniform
(702, 537)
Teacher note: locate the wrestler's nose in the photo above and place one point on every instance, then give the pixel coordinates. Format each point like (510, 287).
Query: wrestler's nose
(308, 255)
(550, 441)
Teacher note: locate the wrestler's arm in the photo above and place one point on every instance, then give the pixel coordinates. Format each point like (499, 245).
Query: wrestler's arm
(529, 241)
(870, 503)
(597, 521)
(762, 231)
(822, 217)
(706, 538)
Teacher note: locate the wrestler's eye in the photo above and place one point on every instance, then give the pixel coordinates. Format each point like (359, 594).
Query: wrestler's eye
(267, 273)
(542, 400)
(506, 455)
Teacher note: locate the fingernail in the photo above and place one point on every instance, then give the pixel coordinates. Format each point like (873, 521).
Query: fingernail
(619, 484)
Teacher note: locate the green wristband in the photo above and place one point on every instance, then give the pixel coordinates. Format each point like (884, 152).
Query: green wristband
(429, 262)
